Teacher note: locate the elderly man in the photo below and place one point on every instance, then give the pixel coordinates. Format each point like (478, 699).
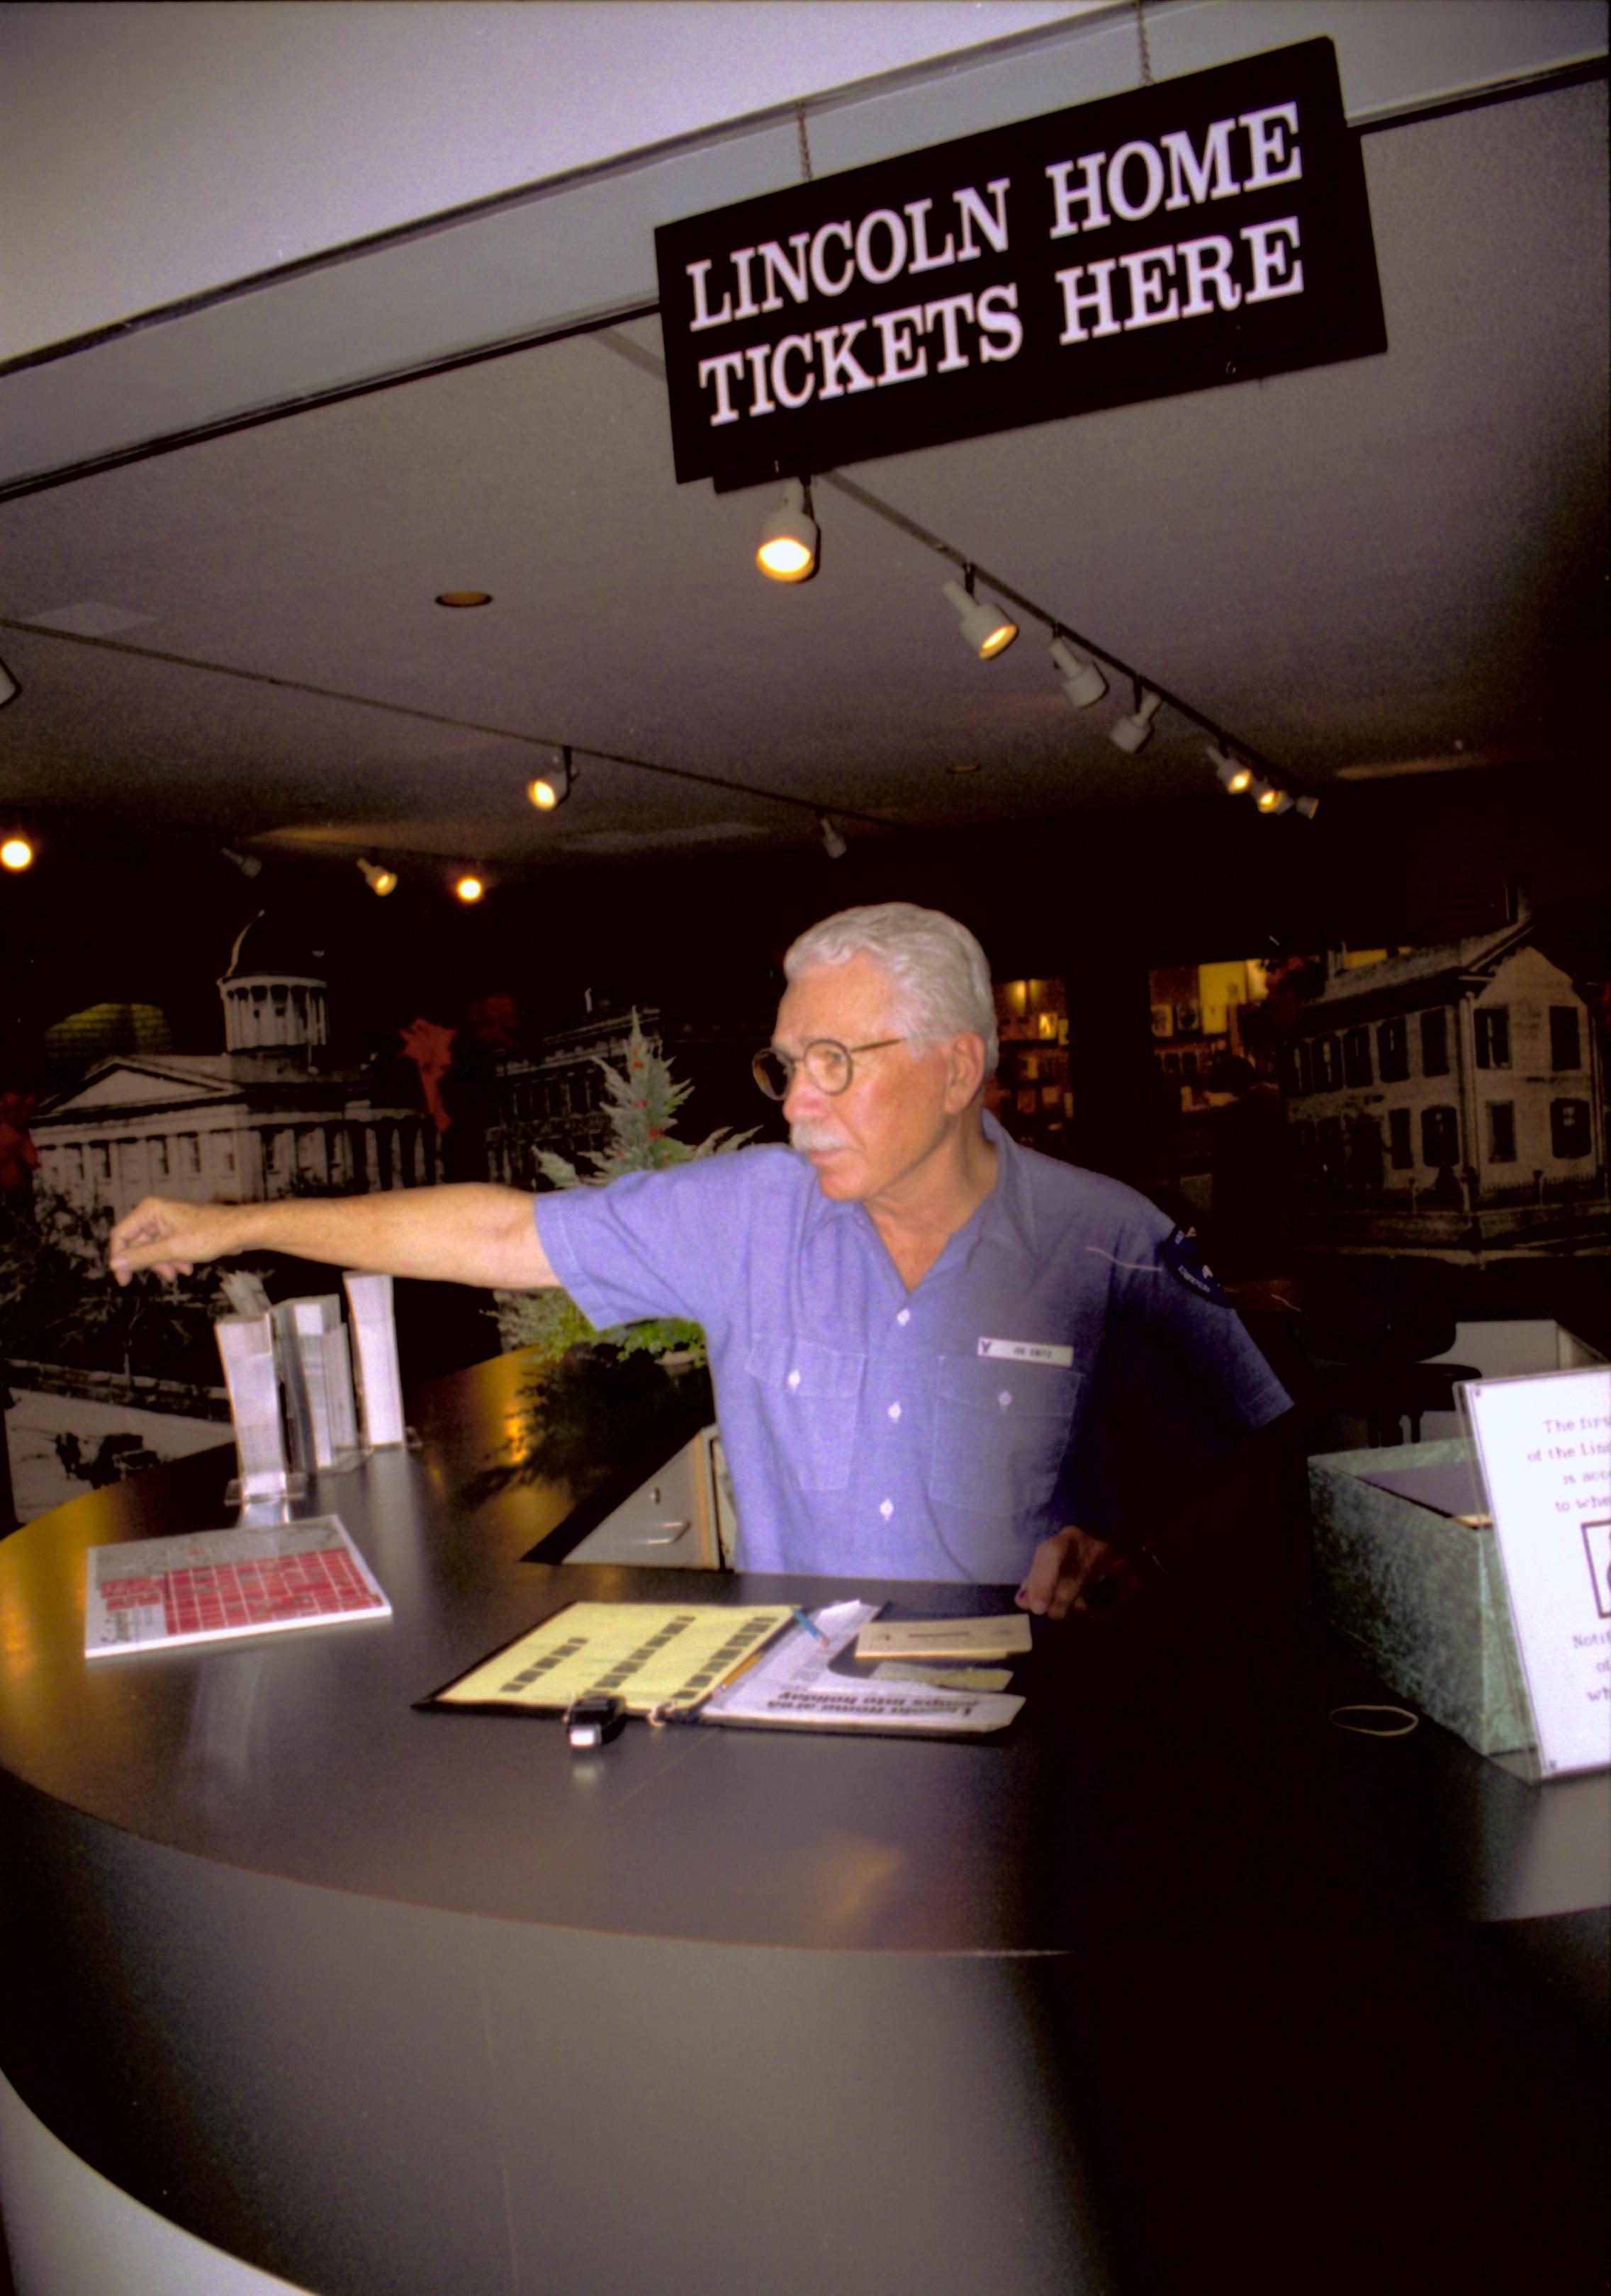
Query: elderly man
(937, 1355)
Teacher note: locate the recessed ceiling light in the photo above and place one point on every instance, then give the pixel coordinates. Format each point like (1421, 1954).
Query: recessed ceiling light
(463, 597)
(470, 887)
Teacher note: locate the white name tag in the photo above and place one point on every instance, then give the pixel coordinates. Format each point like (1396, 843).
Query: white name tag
(1025, 1351)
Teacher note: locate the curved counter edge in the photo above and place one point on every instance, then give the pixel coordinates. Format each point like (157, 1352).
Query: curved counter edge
(372, 2099)
(69, 2230)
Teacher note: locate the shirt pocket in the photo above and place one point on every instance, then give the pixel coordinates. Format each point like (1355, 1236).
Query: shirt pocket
(809, 1396)
(1001, 1433)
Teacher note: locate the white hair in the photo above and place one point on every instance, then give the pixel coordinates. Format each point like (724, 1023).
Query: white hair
(941, 977)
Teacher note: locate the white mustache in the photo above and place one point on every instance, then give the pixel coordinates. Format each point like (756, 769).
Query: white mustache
(806, 1139)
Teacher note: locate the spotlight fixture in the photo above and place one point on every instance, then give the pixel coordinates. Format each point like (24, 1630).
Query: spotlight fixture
(463, 599)
(17, 854)
(989, 630)
(1308, 807)
(1083, 681)
(789, 542)
(248, 863)
(469, 888)
(1271, 799)
(1132, 733)
(8, 687)
(378, 878)
(1236, 777)
(833, 840)
(551, 789)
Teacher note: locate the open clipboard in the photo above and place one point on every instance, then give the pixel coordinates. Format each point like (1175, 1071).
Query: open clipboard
(654, 1656)
(758, 1666)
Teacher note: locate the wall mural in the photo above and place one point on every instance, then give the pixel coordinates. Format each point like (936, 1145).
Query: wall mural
(1446, 1101)
(104, 1382)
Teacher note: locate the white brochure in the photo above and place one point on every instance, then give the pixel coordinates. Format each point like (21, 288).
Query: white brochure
(790, 1687)
(1545, 1447)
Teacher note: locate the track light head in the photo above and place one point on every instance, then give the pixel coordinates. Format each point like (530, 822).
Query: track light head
(378, 879)
(1308, 807)
(469, 887)
(1083, 681)
(986, 630)
(17, 853)
(790, 544)
(551, 789)
(1271, 799)
(1236, 777)
(248, 863)
(1133, 733)
(832, 836)
(8, 687)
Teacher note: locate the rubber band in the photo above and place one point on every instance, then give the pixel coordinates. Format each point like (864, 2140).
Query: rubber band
(1404, 1720)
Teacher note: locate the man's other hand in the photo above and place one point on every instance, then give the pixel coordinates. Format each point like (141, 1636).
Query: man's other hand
(172, 1238)
(1073, 1571)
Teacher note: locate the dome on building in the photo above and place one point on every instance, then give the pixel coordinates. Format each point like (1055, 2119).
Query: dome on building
(271, 949)
(273, 990)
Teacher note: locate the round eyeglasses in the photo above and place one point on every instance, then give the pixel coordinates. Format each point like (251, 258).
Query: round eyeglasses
(828, 1064)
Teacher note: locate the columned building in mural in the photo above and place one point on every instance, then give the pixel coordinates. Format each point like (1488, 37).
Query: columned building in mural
(267, 1116)
(271, 1115)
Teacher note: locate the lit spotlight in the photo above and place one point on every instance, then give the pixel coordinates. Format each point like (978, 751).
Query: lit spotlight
(789, 540)
(17, 853)
(551, 789)
(469, 888)
(987, 630)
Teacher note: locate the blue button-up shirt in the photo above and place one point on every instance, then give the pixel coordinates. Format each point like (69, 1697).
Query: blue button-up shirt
(1066, 1359)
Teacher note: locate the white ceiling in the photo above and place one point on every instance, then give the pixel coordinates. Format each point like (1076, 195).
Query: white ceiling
(1386, 565)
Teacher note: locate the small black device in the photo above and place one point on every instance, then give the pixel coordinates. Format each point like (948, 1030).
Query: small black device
(593, 1721)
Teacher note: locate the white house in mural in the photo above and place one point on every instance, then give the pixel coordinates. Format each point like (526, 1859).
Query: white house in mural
(1451, 1100)
(266, 1115)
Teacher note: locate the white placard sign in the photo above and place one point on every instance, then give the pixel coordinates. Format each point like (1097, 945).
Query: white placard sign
(1545, 1446)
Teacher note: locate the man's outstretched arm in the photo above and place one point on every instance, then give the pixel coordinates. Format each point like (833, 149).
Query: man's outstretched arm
(470, 1234)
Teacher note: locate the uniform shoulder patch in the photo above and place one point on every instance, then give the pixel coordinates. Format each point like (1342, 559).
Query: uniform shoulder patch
(1179, 1254)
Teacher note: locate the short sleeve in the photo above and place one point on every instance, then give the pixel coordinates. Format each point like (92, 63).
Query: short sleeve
(1179, 1385)
(651, 1244)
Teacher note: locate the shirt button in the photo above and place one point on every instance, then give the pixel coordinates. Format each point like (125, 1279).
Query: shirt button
(905, 1317)
(894, 1411)
(1005, 1397)
(887, 1509)
(793, 1380)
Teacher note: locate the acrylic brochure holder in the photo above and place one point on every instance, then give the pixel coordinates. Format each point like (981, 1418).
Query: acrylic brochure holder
(317, 1366)
(289, 1375)
(252, 1372)
(380, 1380)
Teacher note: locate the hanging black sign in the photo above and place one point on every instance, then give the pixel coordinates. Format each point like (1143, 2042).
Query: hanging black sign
(1196, 233)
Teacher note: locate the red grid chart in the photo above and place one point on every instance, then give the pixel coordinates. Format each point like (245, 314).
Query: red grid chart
(210, 1598)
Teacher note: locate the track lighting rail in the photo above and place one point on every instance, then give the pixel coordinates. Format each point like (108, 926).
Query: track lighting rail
(1055, 626)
